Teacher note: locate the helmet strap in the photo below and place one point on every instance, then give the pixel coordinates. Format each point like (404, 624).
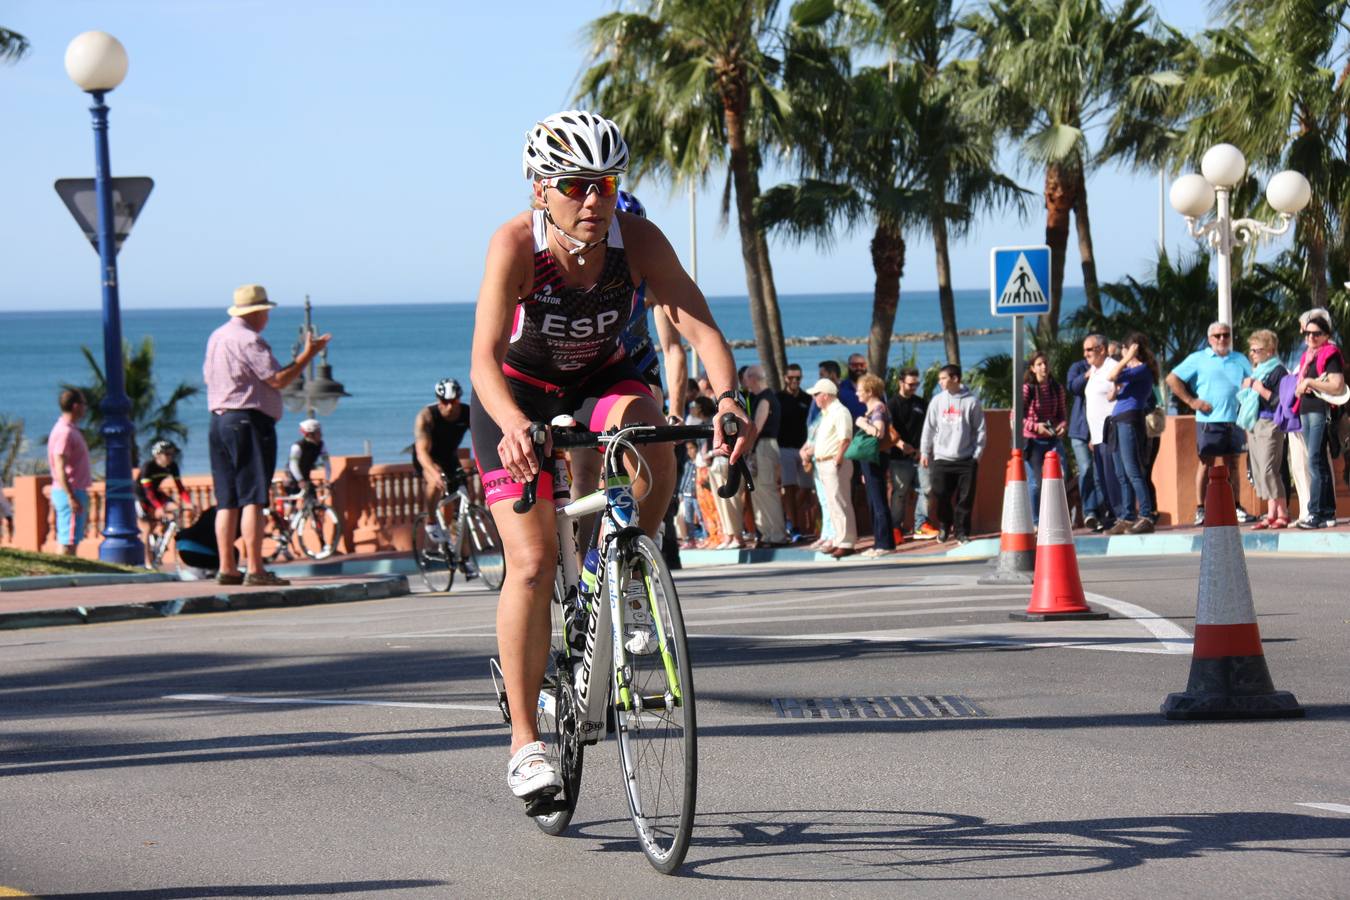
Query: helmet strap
(578, 248)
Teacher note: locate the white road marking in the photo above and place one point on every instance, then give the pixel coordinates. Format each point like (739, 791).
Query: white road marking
(1169, 634)
(314, 701)
(1329, 807)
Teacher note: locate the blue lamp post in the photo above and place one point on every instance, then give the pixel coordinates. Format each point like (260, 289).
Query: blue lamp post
(97, 62)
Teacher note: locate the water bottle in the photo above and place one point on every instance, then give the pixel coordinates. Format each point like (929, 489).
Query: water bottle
(587, 591)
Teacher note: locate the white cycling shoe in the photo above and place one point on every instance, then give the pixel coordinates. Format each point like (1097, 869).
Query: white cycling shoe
(641, 630)
(531, 774)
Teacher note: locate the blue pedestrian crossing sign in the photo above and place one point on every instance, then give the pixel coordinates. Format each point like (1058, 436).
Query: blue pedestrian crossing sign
(1019, 281)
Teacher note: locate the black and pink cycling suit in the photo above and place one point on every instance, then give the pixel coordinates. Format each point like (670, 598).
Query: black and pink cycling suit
(565, 356)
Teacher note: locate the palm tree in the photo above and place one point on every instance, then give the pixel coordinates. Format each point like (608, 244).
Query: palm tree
(152, 419)
(1274, 82)
(13, 46)
(951, 153)
(1052, 70)
(681, 72)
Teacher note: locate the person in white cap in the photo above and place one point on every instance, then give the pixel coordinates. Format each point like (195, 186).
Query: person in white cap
(243, 392)
(827, 450)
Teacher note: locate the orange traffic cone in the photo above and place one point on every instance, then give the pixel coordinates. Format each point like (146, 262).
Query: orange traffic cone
(1229, 678)
(1017, 545)
(1057, 592)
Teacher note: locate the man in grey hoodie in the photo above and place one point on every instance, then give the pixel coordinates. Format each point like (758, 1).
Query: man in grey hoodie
(952, 443)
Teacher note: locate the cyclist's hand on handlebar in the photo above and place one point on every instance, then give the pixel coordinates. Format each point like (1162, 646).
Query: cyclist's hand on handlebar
(518, 452)
(744, 439)
(436, 477)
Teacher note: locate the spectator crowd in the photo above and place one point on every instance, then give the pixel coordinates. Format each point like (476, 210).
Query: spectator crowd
(850, 453)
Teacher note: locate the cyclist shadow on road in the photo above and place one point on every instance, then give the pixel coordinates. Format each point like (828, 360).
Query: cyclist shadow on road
(872, 846)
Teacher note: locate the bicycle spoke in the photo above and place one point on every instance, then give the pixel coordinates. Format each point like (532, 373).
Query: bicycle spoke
(655, 714)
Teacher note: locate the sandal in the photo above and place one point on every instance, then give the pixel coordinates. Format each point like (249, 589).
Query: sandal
(1263, 524)
(530, 774)
(1280, 522)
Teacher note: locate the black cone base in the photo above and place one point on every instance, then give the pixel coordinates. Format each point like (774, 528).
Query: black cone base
(1231, 687)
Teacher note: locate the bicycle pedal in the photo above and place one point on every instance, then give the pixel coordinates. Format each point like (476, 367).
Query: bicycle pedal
(545, 803)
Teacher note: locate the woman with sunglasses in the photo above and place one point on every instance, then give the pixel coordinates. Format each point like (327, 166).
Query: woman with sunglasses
(1321, 369)
(558, 290)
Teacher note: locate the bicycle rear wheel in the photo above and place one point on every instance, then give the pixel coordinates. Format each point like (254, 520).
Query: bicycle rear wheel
(319, 532)
(484, 547)
(557, 724)
(432, 560)
(654, 710)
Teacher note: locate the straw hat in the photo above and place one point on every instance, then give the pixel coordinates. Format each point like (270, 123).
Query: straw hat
(250, 298)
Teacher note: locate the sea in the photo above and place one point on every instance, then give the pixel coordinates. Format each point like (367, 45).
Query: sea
(390, 356)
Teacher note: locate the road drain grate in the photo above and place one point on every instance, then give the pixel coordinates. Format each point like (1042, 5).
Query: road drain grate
(930, 706)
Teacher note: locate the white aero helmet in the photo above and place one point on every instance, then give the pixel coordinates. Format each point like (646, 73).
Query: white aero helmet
(310, 426)
(574, 142)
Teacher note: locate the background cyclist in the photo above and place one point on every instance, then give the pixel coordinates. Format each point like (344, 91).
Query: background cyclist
(306, 453)
(438, 431)
(558, 287)
(153, 501)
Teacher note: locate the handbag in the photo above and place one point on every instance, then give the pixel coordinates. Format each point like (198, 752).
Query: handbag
(863, 448)
(1155, 422)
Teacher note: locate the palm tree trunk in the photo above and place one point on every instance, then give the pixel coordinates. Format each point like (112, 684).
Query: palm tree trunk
(1060, 190)
(888, 262)
(1080, 219)
(775, 368)
(743, 178)
(1316, 243)
(951, 341)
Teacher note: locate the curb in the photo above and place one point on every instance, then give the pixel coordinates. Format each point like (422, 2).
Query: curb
(97, 579)
(378, 588)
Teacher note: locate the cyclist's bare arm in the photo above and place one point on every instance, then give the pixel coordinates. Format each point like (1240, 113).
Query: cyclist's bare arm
(672, 351)
(678, 297)
(506, 277)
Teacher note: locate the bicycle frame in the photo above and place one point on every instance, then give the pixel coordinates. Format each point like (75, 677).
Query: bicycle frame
(619, 514)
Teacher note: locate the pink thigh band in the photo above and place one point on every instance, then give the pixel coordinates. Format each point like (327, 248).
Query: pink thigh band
(499, 485)
(612, 395)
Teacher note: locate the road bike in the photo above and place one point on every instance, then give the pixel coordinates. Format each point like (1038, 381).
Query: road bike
(462, 538)
(163, 529)
(639, 682)
(302, 524)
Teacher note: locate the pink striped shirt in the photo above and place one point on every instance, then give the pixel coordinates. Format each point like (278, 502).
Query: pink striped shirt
(238, 364)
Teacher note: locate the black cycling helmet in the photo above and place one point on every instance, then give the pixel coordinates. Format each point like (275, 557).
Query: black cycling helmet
(162, 446)
(631, 204)
(448, 389)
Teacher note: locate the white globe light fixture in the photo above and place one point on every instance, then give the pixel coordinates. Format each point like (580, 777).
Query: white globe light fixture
(1288, 192)
(96, 61)
(1223, 167)
(1192, 196)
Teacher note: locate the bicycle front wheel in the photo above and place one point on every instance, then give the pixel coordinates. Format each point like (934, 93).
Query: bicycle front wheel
(654, 709)
(484, 547)
(319, 532)
(432, 560)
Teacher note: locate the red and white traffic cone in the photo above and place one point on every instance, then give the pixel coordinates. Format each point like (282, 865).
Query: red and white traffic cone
(1057, 592)
(1229, 678)
(1017, 543)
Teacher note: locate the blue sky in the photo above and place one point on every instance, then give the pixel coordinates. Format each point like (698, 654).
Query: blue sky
(362, 152)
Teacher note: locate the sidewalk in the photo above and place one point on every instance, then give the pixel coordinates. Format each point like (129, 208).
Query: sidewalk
(95, 600)
(67, 600)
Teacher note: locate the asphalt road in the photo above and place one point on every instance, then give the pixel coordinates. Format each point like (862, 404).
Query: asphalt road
(194, 757)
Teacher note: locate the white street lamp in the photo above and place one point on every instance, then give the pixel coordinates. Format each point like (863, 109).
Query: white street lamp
(1194, 195)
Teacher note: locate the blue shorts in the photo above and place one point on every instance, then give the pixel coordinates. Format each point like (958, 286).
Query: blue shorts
(70, 528)
(243, 444)
(1219, 439)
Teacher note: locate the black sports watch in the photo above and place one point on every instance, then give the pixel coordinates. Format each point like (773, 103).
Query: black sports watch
(729, 395)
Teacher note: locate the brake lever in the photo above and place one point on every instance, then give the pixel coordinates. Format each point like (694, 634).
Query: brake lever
(528, 496)
(731, 427)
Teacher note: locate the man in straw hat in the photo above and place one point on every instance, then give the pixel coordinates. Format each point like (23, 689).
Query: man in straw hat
(243, 391)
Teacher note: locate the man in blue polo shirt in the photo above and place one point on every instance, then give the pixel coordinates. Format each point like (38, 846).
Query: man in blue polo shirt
(1208, 382)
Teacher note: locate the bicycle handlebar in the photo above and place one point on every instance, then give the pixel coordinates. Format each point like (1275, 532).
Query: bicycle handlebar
(578, 437)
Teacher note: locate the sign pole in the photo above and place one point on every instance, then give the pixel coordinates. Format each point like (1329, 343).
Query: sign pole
(1018, 441)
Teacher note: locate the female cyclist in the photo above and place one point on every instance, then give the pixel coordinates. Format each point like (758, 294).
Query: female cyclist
(558, 289)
